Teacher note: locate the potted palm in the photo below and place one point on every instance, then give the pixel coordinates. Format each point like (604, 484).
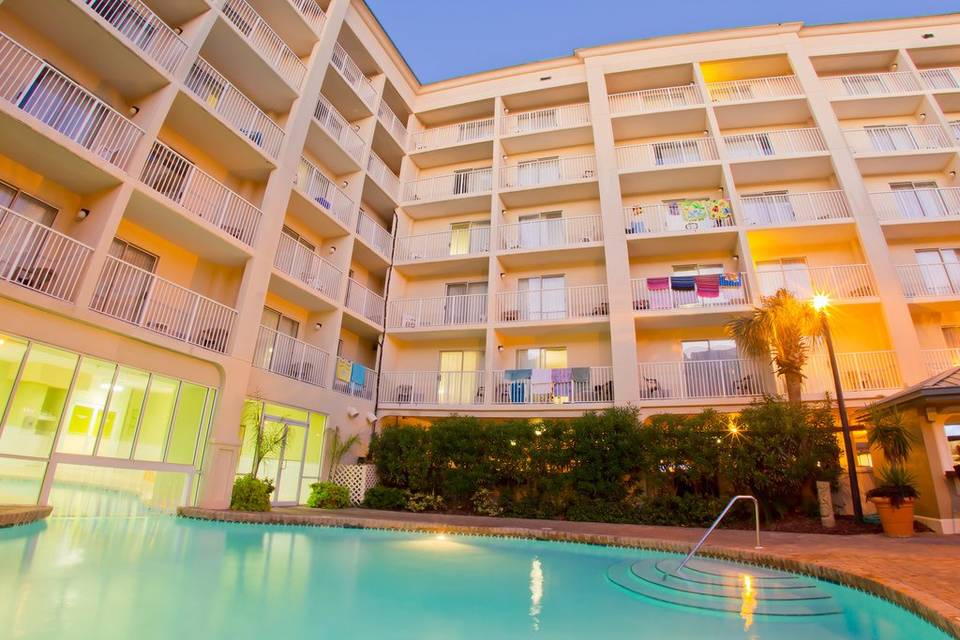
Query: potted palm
(896, 491)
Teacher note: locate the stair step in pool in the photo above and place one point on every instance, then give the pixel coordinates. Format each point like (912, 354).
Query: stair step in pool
(647, 572)
(708, 572)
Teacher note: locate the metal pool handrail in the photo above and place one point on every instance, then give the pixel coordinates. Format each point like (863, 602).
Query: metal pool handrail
(696, 547)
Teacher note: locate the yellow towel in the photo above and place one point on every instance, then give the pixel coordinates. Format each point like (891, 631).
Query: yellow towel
(343, 370)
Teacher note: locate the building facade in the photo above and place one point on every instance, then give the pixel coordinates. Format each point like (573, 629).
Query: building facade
(226, 215)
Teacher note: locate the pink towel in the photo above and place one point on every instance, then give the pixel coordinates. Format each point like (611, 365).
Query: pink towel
(708, 286)
(658, 284)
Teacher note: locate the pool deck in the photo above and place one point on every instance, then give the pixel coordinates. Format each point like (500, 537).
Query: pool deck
(13, 515)
(921, 573)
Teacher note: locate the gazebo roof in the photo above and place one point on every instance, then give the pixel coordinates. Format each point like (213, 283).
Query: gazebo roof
(943, 388)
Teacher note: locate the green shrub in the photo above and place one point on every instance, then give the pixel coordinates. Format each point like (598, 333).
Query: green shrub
(599, 510)
(486, 503)
(328, 495)
(388, 498)
(680, 511)
(419, 502)
(402, 458)
(251, 494)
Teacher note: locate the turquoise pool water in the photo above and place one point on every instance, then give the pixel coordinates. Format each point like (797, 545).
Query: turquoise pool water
(161, 577)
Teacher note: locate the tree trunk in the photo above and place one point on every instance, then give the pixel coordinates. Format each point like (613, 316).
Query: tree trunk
(793, 382)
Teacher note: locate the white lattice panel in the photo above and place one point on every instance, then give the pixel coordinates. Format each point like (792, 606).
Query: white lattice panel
(357, 478)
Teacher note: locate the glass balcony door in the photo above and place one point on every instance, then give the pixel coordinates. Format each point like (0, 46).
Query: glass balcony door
(918, 199)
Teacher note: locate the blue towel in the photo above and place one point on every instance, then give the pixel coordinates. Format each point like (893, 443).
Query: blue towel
(323, 202)
(358, 374)
(517, 374)
(682, 283)
(516, 392)
(730, 280)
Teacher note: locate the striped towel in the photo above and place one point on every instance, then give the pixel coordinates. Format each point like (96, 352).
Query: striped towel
(658, 284)
(708, 286)
(682, 283)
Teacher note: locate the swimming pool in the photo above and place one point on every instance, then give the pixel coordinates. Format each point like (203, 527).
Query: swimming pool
(162, 577)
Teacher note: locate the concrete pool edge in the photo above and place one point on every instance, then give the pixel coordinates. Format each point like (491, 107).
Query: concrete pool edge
(17, 515)
(929, 607)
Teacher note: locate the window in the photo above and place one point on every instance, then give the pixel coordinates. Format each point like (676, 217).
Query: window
(542, 358)
(460, 377)
(21, 248)
(769, 207)
(952, 433)
(918, 199)
(88, 402)
(539, 171)
(278, 349)
(791, 274)
(951, 336)
(676, 152)
(711, 369)
(541, 230)
(939, 271)
(471, 181)
(464, 304)
(885, 138)
(469, 237)
(542, 297)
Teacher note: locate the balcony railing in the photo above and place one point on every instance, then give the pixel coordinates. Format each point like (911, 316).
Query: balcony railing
(343, 63)
(571, 115)
(450, 135)
(911, 204)
(319, 189)
(550, 233)
(371, 232)
(451, 185)
(264, 40)
(39, 258)
(657, 217)
(939, 360)
(793, 208)
(650, 100)
(840, 282)
(871, 84)
(364, 302)
(564, 303)
(722, 378)
(474, 241)
(134, 295)
(337, 127)
(955, 129)
(35, 87)
(438, 311)
(930, 280)
(392, 123)
(360, 382)
(765, 144)
(311, 12)
(383, 176)
(576, 385)
(654, 155)
(754, 89)
(432, 387)
(303, 265)
(942, 78)
(281, 354)
(690, 292)
(538, 173)
(897, 138)
(234, 108)
(173, 176)
(141, 27)
(859, 371)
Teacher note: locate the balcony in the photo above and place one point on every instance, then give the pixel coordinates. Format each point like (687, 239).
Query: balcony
(39, 258)
(942, 79)
(456, 251)
(863, 373)
(419, 388)
(438, 312)
(685, 218)
(349, 86)
(136, 296)
(871, 84)
(900, 148)
(787, 209)
(657, 112)
(733, 378)
(550, 180)
(315, 191)
(925, 281)
(671, 297)
(360, 382)
(462, 192)
(453, 143)
(142, 29)
(524, 244)
(739, 104)
(311, 13)
(654, 100)
(333, 140)
(918, 213)
(389, 120)
(308, 276)
(685, 164)
(772, 88)
(586, 385)
(386, 181)
(291, 358)
(955, 129)
(765, 156)
(552, 128)
(375, 236)
(939, 360)
(90, 129)
(364, 302)
(581, 303)
(843, 283)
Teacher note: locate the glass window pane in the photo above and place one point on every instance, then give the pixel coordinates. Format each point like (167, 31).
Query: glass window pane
(11, 353)
(285, 413)
(85, 411)
(249, 427)
(311, 463)
(38, 402)
(157, 414)
(207, 418)
(120, 423)
(186, 425)
(20, 480)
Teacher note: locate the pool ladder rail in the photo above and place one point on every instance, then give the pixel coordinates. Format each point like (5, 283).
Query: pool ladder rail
(733, 501)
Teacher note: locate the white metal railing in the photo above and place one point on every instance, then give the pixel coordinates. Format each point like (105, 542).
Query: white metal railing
(577, 385)
(784, 142)
(319, 189)
(551, 171)
(37, 257)
(382, 175)
(47, 95)
(337, 127)
(282, 354)
(173, 176)
(373, 233)
(721, 378)
(897, 137)
(859, 371)
(658, 217)
(450, 134)
(908, 204)
(444, 244)
(343, 63)
(392, 123)
(365, 302)
(942, 78)
(451, 185)
(934, 280)
(562, 303)
(791, 208)
(871, 84)
(234, 108)
(437, 311)
(265, 40)
(688, 292)
(571, 115)
(549, 233)
(844, 282)
(137, 296)
(955, 129)
(664, 154)
(311, 12)
(939, 360)
(660, 99)
(754, 89)
(432, 387)
(304, 265)
(361, 381)
(142, 28)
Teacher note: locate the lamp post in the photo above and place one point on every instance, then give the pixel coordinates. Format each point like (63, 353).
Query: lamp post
(820, 304)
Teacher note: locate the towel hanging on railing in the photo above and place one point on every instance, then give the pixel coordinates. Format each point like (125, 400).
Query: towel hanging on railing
(730, 280)
(682, 283)
(708, 286)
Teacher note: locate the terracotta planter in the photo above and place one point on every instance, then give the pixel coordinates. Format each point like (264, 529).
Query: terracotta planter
(897, 521)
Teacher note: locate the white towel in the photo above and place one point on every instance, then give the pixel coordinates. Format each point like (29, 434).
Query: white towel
(540, 382)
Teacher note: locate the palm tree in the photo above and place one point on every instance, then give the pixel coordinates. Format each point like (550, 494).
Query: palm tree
(780, 328)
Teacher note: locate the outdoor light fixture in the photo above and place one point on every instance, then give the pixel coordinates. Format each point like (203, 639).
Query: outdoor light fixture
(923, 116)
(500, 348)
(82, 214)
(352, 412)
(894, 66)
(133, 110)
(178, 31)
(344, 184)
(953, 174)
(332, 250)
(502, 275)
(317, 326)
